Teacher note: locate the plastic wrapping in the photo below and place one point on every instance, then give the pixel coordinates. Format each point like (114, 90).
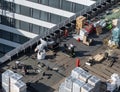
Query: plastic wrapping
(87, 88)
(77, 85)
(84, 76)
(76, 72)
(69, 82)
(6, 76)
(19, 86)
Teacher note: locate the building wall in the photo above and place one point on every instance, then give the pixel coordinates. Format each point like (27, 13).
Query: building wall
(20, 21)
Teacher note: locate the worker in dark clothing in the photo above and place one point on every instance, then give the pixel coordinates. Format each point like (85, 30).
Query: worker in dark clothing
(24, 68)
(71, 49)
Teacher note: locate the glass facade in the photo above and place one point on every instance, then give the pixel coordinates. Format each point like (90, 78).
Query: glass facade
(13, 37)
(21, 25)
(4, 49)
(32, 13)
(61, 4)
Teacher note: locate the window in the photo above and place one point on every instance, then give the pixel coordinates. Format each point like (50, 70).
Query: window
(54, 18)
(17, 8)
(45, 2)
(25, 11)
(35, 29)
(66, 5)
(44, 16)
(54, 3)
(78, 7)
(24, 26)
(36, 13)
(6, 35)
(36, 1)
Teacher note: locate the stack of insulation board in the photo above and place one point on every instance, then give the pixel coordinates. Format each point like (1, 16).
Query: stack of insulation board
(77, 85)
(15, 79)
(84, 76)
(95, 81)
(87, 88)
(76, 72)
(69, 82)
(12, 82)
(80, 81)
(6, 80)
(19, 86)
(63, 88)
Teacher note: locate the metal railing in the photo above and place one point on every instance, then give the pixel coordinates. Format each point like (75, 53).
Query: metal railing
(31, 42)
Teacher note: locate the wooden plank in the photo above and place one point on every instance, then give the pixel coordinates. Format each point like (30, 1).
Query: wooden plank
(97, 72)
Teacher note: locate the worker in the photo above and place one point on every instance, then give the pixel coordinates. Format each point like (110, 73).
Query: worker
(41, 55)
(17, 64)
(66, 33)
(39, 48)
(71, 49)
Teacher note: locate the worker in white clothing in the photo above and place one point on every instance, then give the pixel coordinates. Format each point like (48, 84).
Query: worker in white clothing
(41, 55)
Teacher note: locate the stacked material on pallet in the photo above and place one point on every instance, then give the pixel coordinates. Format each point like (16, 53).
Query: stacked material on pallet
(84, 76)
(77, 85)
(19, 87)
(76, 72)
(80, 81)
(87, 88)
(63, 88)
(6, 80)
(12, 82)
(95, 81)
(69, 82)
(14, 79)
(80, 21)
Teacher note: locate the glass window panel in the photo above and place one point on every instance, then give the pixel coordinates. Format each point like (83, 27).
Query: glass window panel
(23, 39)
(7, 48)
(36, 29)
(36, 1)
(15, 38)
(54, 19)
(17, 24)
(1, 48)
(78, 7)
(54, 3)
(6, 35)
(36, 13)
(45, 2)
(17, 8)
(43, 16)
(66, 5)
(25, 10)
(24, 26)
